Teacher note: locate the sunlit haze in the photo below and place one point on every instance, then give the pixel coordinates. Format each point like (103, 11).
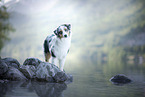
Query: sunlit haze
(97, 26)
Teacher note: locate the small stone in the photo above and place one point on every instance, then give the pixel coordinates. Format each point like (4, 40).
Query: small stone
(120, 79)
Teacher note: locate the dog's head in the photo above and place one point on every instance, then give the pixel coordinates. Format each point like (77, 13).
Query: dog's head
(63, 31)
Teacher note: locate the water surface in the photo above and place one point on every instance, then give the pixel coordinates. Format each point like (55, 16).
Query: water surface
(94, 83)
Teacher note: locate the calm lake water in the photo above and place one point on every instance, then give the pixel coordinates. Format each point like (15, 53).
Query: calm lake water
(85, 84)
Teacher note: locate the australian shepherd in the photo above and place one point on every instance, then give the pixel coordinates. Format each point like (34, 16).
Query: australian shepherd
(56, 46)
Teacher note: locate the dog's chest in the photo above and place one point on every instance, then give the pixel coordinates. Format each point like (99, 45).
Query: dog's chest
(61, 47)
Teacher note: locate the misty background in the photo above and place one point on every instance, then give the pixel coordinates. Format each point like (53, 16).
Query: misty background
(103, 31)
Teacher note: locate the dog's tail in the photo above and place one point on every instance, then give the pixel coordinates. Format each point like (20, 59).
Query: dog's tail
(46, 47)
(46, 51)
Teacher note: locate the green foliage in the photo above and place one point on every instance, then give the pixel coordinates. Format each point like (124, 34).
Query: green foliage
(5, 26)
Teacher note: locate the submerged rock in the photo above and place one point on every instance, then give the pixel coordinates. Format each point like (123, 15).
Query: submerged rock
(120, 79)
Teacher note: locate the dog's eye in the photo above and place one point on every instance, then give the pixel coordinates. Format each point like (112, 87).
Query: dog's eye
(65, 29)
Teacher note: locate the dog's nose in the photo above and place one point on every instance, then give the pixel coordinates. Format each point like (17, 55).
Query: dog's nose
(65, 36)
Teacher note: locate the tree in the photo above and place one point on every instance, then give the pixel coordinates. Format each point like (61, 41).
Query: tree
(5, 26)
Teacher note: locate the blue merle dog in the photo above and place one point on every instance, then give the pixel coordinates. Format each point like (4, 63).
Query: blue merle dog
(56, 46)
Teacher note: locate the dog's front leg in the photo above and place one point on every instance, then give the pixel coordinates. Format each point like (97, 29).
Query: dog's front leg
(61, 64)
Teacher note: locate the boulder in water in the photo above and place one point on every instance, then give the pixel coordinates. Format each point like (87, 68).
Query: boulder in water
(120, 79)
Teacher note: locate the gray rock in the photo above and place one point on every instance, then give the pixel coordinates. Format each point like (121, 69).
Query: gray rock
(11, 62)
(69, 78)
(3, 67)
(45, 71)
(9, 69)
(14, 74)
(32, 61)
(60, 77)
(32, 68)
(28, 71)
(4, 81)
(120, 79)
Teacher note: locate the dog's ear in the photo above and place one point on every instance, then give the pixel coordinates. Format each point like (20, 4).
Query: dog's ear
(68, 26)
(55, 32)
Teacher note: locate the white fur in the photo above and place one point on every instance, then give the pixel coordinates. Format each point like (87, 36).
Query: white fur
(59, 46)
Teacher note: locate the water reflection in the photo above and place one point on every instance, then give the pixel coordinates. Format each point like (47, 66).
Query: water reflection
(49, 89)
(30, 89)
(91, 80)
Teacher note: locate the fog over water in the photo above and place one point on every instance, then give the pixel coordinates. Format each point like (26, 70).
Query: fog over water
(95, 24)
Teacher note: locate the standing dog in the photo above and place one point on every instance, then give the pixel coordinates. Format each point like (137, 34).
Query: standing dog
(57, 45)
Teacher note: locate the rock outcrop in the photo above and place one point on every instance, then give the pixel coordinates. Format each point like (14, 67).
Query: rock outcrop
(9, 70)
(3, 67)
(11, 62)
(28, 71)
(32, 61)
(32, 69)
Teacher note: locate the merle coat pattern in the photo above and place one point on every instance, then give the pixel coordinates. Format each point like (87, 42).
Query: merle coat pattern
(56, 46)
